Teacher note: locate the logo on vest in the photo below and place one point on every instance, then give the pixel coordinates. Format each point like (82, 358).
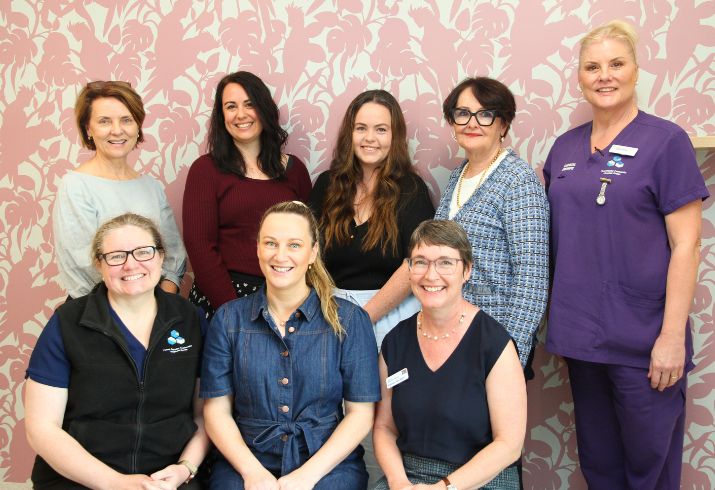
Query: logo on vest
(175, 338)
(177, 341)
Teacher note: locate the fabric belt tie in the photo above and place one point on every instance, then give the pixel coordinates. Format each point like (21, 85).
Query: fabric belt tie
(273, 431)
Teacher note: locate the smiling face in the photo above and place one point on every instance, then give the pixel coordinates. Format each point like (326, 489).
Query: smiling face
(372, 135)
(241, 118)
(285, 250)
(434, 290)
(112, 128)
(472, 137)
(608, 75)
(132, 278)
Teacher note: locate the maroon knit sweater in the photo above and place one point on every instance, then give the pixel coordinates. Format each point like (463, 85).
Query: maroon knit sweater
(221, 214)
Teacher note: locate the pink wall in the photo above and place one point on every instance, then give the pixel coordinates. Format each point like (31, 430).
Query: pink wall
(317, 57)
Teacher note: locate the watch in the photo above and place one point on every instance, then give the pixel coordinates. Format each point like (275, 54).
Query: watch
(449, 485)
(192, 469)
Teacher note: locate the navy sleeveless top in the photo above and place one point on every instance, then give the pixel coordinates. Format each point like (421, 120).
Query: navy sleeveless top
(444, 414)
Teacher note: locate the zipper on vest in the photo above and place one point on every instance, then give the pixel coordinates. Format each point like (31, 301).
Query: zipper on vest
(137, 442)
(141, 396)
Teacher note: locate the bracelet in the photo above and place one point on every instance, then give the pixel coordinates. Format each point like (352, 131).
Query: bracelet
(192, 469)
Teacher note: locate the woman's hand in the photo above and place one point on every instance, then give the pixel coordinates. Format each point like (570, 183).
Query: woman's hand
(296, 480)
(667, 361)
(175, 474)
(159, 485)
(260, 480)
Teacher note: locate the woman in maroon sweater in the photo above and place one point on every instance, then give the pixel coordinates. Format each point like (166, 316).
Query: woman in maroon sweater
(243, 174)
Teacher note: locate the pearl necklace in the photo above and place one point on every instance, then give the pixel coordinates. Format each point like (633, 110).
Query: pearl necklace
(424, 334)
(466, 169)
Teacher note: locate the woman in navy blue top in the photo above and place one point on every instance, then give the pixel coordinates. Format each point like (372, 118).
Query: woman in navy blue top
(279, 365)
(453, 409)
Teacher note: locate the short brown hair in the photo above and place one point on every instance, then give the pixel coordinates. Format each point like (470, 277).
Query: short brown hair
(127, 219)
(445, 233)
(122, 91)
(491, 94)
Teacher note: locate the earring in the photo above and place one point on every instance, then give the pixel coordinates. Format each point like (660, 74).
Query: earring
(90, 137)
(454, 136)
(502, 139)
(309, 266)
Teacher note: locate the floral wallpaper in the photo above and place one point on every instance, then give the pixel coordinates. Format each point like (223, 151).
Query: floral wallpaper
(316, 55)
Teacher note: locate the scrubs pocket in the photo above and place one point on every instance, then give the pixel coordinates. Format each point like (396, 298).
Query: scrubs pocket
(630, 320)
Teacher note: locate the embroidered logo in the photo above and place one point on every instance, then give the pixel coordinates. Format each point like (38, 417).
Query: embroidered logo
(175, 338)
(616, 162)
(568, 166)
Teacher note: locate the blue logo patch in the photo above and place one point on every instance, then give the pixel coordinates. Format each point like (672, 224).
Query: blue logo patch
(617, 162)
(175, 338)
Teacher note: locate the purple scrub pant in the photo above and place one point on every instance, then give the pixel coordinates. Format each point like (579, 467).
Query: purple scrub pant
(630, 436)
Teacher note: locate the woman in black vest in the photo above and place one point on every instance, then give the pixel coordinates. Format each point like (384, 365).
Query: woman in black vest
(112, 398)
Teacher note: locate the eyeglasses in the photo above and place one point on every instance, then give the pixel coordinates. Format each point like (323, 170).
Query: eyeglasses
(119, 257)
(101, 84)
(444, 265)
(484, 117)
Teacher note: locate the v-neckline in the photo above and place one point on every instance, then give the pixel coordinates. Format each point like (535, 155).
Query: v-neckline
(597, 157)
(422, 355)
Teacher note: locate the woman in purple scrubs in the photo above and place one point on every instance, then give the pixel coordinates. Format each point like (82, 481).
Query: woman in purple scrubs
(626, 200)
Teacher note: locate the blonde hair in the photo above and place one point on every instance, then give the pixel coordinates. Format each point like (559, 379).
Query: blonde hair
(615, 29)
(317, 276)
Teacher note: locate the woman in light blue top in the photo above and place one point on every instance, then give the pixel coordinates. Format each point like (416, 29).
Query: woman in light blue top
(109, 118)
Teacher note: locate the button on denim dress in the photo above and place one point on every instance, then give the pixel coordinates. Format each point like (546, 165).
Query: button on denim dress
(289, 391)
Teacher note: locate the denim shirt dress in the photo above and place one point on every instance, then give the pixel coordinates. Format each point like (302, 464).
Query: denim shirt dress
(289, 391)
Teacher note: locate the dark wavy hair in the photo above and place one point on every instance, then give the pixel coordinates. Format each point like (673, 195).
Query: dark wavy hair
(226, 156)
(346, 172)
(491, 94)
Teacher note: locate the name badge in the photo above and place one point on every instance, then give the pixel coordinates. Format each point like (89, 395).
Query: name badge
(623, 150)
(397, 378)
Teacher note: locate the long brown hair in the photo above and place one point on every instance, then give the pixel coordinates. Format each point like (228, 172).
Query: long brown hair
(346, 172)
(317, 275)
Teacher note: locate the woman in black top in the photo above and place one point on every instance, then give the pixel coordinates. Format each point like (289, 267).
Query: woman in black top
(453, 409)
(368, 204)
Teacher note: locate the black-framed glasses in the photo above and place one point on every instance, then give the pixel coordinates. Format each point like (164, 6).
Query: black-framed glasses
(119, 257)
(443, 265)
(484, 117)
(100, 84)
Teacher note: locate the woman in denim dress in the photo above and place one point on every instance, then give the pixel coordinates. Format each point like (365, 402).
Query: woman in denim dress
(278, 365)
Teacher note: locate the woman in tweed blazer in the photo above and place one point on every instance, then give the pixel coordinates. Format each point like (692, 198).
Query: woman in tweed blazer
(499, 201)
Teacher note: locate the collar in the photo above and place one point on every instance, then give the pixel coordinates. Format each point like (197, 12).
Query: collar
(96, 314)
(308, 308)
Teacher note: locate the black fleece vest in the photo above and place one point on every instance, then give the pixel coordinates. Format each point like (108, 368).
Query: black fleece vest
(132, 426)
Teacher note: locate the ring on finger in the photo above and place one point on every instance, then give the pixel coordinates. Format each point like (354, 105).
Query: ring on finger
(674, 377)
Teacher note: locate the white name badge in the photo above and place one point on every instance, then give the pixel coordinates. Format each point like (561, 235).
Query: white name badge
(397, 378)
(623, 150)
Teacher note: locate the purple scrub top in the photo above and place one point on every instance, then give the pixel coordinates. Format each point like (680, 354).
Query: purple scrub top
(609, 263)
